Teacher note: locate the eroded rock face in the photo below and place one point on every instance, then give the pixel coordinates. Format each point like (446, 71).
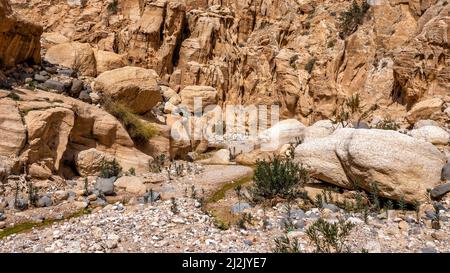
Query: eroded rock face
(19, 39)
(384, 157)
(287, 53)
(12, 129)
(59, 131)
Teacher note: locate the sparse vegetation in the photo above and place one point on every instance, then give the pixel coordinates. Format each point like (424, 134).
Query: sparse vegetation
(352, 18)
(388, 124)
(284, 244)
(132, 171)
(173, 206)
(156, 166)
(330, 238)
(310, 65)
(110, 169)
(436, 221)
(352, 111)
(139, 130)
(13, 96)
(113, 7)
(278, 178)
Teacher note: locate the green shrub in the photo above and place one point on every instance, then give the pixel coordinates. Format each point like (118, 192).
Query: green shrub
(329, 238)
(110, 169)
(388, 124)
(351, 19)
(279, 177)
(13, 96)
(113, 6)
(132, 171)
(139, 131)
(285, 245)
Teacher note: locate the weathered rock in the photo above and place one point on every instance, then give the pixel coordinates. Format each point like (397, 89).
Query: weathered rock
(75, 55)
(105, 185)
(12, 129)
(55, 85)
(445, 173)
(89, 162)
(322, 128)
(206, 95)
(44, 201)
(220, 157)
(424, 109)
(131, 184)
(284, 132)
(48, 134)
(425, 122)
(240, 207)
(39, 171)
(77, 86)
(384, 157)
(107, 61)
(440, 190)
(252, 157)
(430, 133)
(136, 87)
(19, 39)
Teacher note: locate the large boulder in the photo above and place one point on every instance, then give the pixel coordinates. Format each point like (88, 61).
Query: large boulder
(207, 94)
(19, 39)
(400, 166)
(107, 60)
(89, 162)
(321, 128)
(131, 184)
(284, 132)
(74, 55)
(12, 129)
(430, 133)
(135, 87)
(424, 109)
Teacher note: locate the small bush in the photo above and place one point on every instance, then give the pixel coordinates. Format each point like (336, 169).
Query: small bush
(388, 124)
(139, 131)
(113, 7)
(351, 19)
(310, 65)
(132, 171)
(330, 238)
(110, 169)
(285, 245)
(279, 177)
(13, 96)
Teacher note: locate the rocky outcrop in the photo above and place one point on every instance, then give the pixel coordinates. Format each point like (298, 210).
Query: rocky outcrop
(206, 95)
(19, 39)
(135, 87)
(385, 158)
(60, 132)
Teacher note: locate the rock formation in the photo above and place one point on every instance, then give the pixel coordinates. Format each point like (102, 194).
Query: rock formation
(19, 38)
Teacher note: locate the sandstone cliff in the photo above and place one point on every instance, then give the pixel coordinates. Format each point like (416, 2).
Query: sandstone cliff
(284, 52)
(19, 39)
